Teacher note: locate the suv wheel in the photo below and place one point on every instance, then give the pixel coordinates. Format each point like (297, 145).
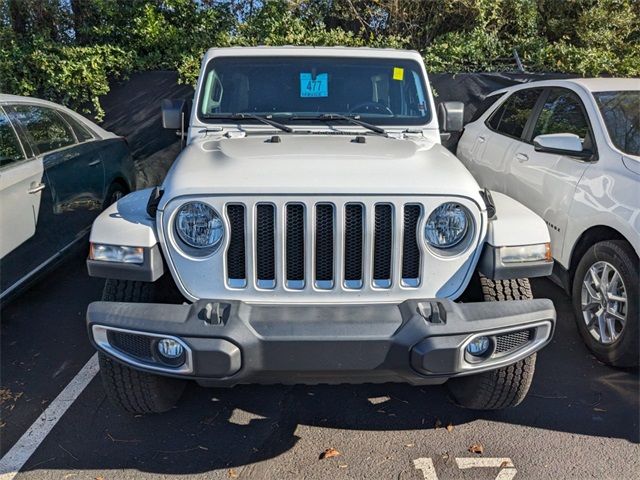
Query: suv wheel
(605, 302)
(133, 390)
(507, 386)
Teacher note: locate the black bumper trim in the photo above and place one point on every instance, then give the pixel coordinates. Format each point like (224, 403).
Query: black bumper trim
(329, 343)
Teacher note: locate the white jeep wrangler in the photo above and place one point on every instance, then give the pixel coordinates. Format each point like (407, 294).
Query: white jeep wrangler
(314, 230)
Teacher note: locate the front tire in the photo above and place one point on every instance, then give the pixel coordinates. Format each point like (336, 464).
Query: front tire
(507, 386)
(605, 302)
(133, 390)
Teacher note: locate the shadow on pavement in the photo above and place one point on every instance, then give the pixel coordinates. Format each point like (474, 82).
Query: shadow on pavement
(214, 429)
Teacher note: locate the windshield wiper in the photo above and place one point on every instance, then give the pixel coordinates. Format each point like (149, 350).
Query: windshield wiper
(251, 116)
(353, 119)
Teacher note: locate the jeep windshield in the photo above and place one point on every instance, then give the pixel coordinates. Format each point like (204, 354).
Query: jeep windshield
(314, 90)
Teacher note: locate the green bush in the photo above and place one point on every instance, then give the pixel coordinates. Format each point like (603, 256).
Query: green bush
(69, 75)
(69, 50)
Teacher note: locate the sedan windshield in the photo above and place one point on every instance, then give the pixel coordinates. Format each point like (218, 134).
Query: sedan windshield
(621, 113)
(292, 89)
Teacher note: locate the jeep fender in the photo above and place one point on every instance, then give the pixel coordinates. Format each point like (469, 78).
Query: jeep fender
(513, 225)
(127, 223)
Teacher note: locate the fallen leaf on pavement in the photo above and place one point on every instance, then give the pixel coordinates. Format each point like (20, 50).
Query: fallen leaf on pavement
(505, 464)
(343, 466)
(329, 453)
(450, 427)
(476, 448)
(233, 473)
(408, 444)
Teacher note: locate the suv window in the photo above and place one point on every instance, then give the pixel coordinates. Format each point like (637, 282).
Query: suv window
(10, 150)
(562, 113)
(485, 105)
(46, 129)
(512, 116)
(82, 133)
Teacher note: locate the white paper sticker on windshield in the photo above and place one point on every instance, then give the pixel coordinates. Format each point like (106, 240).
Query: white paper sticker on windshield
(314, 87)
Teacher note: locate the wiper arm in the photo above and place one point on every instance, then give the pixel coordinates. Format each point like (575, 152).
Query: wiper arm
(353, 119)
(245, 116)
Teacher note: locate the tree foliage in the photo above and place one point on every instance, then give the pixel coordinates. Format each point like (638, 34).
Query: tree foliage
(68, 50)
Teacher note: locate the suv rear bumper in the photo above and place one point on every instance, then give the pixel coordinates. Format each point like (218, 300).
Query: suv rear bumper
(228, 343)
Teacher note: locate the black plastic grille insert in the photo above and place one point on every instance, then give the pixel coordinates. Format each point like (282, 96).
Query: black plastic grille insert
(353, 239)
(382, 242)
(512, 341)
(410, 250)
(324, 242)
(265, 242)
(236, 261)
(138, 346)
(295, 242)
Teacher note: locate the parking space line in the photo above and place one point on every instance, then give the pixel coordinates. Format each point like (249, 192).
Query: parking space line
(15, 458)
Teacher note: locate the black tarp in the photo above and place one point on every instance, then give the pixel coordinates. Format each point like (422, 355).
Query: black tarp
(133, 110)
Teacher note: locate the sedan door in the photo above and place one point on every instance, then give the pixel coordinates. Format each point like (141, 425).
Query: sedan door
(73, 167)
(546, 182)
(20, 189)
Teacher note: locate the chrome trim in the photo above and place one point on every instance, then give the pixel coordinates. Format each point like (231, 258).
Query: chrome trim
(295, 284)
(353, 284)
(542, 335)
(266, 284)
(324, 284)
(101, 338)
(237, 282)
(410, 282)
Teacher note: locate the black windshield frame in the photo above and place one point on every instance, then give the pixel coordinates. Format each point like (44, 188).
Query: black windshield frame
(414, 75)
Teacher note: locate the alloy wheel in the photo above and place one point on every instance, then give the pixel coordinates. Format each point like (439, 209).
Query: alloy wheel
(604, 302)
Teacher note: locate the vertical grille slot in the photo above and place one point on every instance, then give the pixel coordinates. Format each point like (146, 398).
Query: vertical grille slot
(236, 259)
(265, 246)
(382, 243)
(295, 246)
(410, 250)
(353, 241)
(324, 245)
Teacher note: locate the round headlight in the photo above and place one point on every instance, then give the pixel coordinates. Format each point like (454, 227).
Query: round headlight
(199, 226)
(447, 225)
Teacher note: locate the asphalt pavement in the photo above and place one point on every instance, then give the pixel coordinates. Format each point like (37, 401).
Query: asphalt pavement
(580, 420)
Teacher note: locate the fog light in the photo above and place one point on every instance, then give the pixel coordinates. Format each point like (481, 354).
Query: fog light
(478, 346)
(171, 351)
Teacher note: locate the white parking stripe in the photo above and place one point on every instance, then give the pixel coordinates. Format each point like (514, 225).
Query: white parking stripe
(15, 458)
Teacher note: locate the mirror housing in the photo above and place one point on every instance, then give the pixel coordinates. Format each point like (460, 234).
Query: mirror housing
(451, 116)
(172, 110)
(560, 144)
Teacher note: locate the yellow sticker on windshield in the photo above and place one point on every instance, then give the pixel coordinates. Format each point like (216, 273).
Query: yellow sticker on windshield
(398, 73)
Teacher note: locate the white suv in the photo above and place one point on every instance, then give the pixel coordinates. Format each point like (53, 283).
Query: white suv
(570, 151)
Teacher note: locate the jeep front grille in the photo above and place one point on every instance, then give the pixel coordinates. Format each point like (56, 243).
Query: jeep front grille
(323, 244)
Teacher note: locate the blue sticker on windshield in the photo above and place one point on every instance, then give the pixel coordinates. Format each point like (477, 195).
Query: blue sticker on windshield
(314, 87)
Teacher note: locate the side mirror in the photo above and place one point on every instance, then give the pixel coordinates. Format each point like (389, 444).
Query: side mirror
(172, 111)
(560, 144)
(451, 116)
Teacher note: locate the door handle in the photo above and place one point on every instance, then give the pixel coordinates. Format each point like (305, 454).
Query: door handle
(481, 139)
(35, 188)
(522, 157)
(95, 162)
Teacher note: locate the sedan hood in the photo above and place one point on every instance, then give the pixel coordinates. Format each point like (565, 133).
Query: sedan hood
(318, 164)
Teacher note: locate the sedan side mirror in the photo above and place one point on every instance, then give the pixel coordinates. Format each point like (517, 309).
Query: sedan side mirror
(561, 144)
(451, 116)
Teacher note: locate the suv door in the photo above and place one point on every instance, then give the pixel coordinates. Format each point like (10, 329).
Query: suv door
(504, 132)
(546, 182)
(73, 168)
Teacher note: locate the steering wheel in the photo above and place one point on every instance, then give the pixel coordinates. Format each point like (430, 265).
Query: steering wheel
(371, 107)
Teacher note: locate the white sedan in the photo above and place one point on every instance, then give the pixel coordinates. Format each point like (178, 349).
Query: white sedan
(570, 151)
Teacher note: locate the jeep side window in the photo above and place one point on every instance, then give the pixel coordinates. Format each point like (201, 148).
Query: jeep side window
(562, 113)
(10, 150)
(512, 116)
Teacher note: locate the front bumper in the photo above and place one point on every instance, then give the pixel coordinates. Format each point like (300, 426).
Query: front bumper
(228, 343)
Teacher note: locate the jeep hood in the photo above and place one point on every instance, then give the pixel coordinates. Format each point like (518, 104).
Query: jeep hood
(317, 164)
